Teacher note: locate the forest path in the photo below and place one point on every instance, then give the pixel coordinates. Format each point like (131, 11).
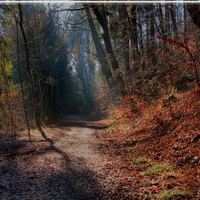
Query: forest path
(76, 168)
(86, 162)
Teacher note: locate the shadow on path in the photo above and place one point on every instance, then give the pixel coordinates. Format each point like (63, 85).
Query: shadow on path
(46, 184)
(47, 175)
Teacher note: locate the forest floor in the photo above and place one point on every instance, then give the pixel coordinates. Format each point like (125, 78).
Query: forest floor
(75, 167)
(153, 157)
(160, 148)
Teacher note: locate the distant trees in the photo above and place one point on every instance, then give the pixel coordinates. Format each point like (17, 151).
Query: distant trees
(138, 27)
(8, 106)
(133, 48)
(44, 53)
(81, 63)
(101, 55)
(143, 51)
(39, 57)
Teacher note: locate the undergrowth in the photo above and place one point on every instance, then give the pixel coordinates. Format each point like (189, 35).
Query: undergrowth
(142, 160)
(174, 194)
(160, 145)
(157, 169)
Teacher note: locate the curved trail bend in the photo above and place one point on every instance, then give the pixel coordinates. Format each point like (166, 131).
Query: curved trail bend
(77, 168)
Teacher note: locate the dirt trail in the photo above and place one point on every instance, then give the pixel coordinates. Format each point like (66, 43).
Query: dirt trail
(79, 145)
(75, 169)
(86, 163)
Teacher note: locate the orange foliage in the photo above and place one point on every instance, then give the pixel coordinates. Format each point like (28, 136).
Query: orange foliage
(5, 97)
(162, 138)
(12, 94)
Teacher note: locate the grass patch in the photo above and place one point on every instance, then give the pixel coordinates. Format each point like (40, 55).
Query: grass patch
(174, 194)
(142, 160)
(157, 169)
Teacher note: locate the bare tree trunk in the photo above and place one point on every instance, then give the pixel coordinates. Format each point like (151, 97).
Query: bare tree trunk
(126, 37)
(194, 11)
(117, 75)
(173, 19)
(21, 83)
(152, 36)
(161, 30)
(134, 34)
(99, 49)
(29, 71)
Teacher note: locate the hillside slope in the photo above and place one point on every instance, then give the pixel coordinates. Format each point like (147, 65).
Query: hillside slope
(161, 148)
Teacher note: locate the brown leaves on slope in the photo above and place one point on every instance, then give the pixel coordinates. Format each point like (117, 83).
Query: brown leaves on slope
(162, 138)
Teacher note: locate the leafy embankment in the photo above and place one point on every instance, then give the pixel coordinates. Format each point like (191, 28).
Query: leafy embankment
(161, 150)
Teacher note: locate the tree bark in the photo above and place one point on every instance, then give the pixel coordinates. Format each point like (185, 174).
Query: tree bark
(99, 49)
(194, 11)
(173, 19)
(117, 76)
(21, 83)
(125, 36)
(29, 71)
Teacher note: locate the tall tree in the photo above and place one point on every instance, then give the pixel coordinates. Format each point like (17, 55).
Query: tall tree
(99, 49)
(117, 75)
(29, 71)
(194, 11)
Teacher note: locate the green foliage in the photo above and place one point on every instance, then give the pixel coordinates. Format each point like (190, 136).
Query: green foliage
(175, 194)
(157, 169)
(6, 65)
(8, 69)
(142, 160)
